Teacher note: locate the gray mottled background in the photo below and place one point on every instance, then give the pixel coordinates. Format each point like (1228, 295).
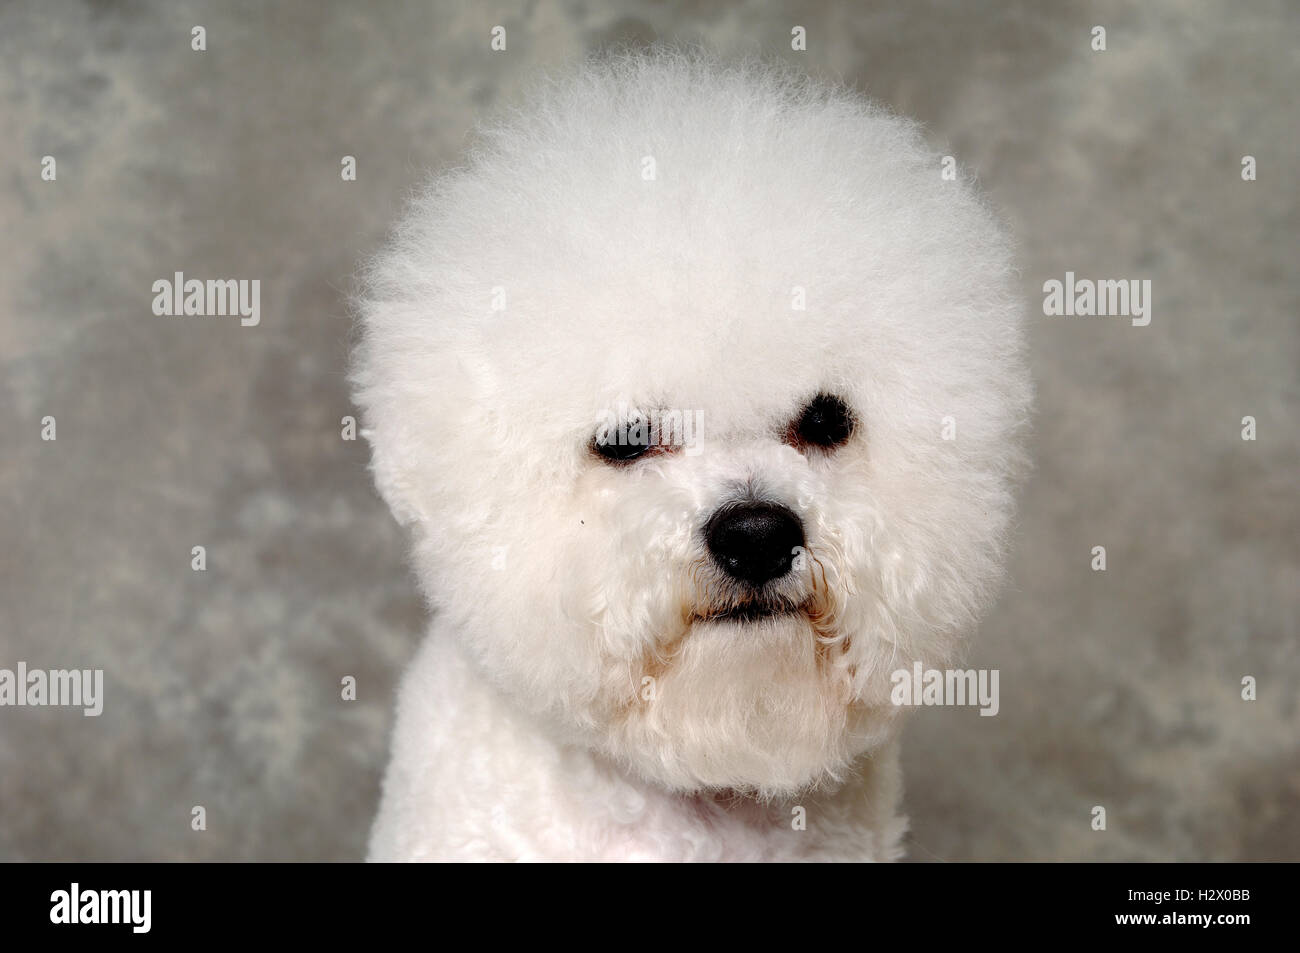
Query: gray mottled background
(1119, 689)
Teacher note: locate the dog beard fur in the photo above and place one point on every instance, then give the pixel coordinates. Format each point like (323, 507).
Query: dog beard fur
(762, 707)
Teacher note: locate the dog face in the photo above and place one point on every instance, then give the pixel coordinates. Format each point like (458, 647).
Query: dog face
(702, 392)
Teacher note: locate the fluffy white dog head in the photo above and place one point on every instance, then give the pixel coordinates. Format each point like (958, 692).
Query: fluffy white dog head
(702, 391)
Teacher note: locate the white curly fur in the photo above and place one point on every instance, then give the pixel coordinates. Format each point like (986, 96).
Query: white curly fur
(526, 728)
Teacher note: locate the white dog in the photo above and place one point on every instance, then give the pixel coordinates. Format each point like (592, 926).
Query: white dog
(701, 390)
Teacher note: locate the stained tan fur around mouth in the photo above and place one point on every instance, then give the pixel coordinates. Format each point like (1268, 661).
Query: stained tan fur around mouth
(820, 609)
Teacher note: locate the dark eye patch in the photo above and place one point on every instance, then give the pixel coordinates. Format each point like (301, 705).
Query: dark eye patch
(616, 452)
(626, 440)
(825, 422)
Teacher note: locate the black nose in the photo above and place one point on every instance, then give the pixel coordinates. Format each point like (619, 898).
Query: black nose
(753, 542)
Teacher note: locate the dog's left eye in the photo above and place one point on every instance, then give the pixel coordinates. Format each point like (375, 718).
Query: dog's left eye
(825, 422)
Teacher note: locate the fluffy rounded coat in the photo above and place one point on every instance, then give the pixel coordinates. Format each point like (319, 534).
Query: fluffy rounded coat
(666, 232)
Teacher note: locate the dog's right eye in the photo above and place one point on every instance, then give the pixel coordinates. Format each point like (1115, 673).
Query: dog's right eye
(620, 440)
(614, 452)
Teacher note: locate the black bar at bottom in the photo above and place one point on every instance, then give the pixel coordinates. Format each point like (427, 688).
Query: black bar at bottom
(302, 903)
